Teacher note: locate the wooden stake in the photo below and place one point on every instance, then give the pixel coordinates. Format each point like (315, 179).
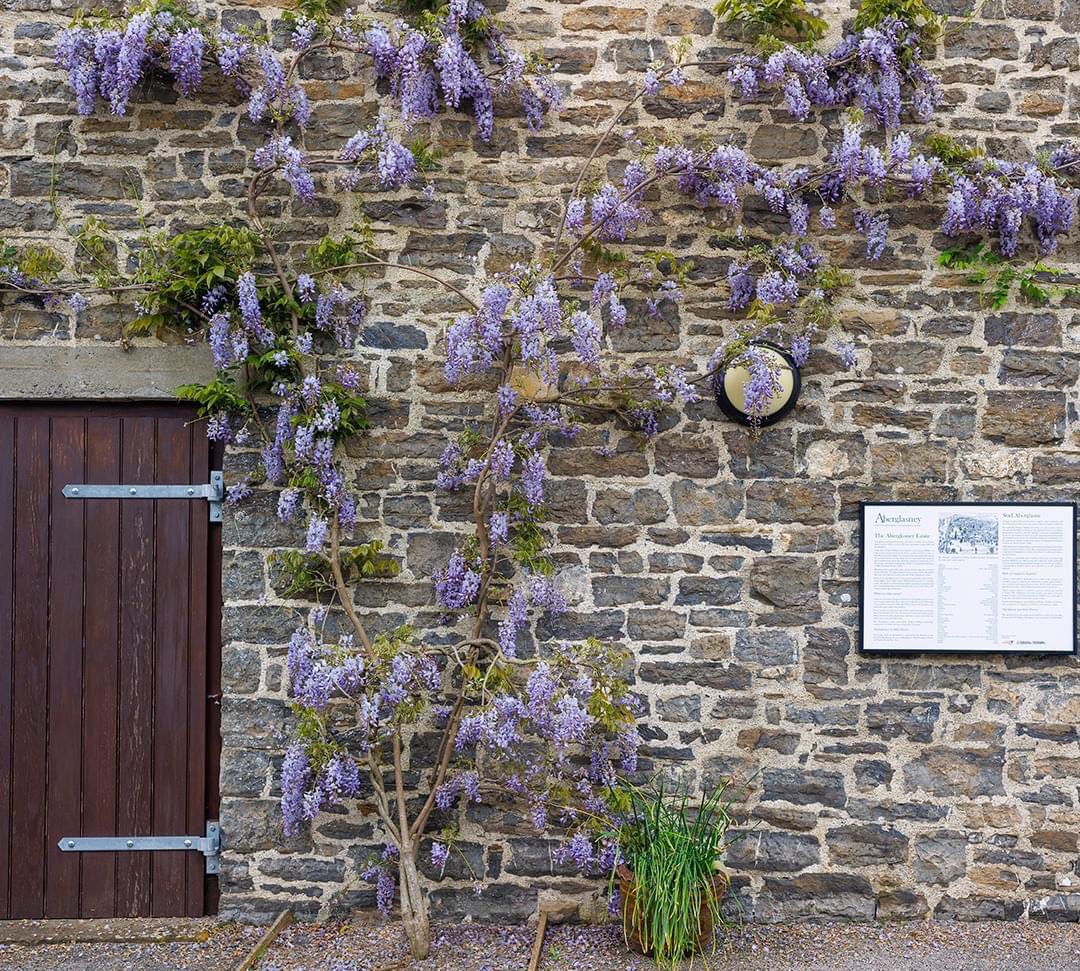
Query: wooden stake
(256, 954)
(538, 944)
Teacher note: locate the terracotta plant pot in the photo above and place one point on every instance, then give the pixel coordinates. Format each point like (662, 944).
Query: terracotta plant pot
(632, 927)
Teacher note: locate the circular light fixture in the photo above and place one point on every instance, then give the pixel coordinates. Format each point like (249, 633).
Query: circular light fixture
(730, 385)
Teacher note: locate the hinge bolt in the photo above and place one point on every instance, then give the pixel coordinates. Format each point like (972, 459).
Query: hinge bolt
(131, 842)
(133, 492)
(187, 842)
(74, 492)
(71, 843)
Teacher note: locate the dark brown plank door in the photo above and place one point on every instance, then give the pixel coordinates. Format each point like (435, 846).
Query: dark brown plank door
(107, 628)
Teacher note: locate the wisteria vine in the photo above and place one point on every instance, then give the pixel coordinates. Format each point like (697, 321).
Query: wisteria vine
(553, 725)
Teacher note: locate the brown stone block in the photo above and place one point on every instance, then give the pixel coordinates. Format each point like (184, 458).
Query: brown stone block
(782, 142)
(906, 357)
(791, 585)
(944, 771)
(1033, 329)
(1057, 469)
(996, 878)
(865, 845)
(677, 20)
(873, 416)
(816, 895)
(813, 503)
(910, 462)
(983, 41)
(1039, 369)
(901, 905)
(604, 17)
(779, 741)
(1057, 767)
(1024, 418)
(1055, 840)
(987, 815)
(875, 323)
(711, 647)
(1042, 104)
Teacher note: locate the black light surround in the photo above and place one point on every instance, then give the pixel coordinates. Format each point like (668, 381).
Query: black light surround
(730, 385)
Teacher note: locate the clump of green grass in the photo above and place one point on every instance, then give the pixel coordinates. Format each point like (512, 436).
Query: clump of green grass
(671, 845)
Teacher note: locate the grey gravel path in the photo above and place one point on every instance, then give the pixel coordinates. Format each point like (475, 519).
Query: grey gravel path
(220, 948)
(367, 944)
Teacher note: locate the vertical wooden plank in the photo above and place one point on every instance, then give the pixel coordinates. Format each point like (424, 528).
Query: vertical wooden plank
(136, 675)
(67, 449)
(7, 644)
(30, 669)
(171, 683)
(195, 770)
(101, 730)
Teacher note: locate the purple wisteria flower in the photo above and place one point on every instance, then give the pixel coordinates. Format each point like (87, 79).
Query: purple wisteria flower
(304, 31)
(800, 349)
(875, 227)
(295, 777)
(499, 527)
(385, 887)
(457, 585)
(532, 479)
(501, 462)
(279, 151)
(377, 150)
(775, 287)
(741, 283)
(289, 501)
(848, 354)
(871, 69)
(317, 533)
(506, 400)
(585, 335)
(763, 385)
(440, 854)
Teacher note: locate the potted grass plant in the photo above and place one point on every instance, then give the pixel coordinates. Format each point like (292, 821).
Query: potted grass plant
(670, 885)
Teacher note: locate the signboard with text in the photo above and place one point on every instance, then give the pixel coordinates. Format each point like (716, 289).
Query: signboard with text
(968, 577)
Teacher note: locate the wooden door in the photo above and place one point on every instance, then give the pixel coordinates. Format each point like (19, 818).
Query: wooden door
(109, 661)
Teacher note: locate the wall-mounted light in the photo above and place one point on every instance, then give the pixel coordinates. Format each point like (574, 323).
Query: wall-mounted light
(731, 385)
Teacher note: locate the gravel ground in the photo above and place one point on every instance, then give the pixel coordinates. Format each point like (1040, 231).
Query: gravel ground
(370, 945)
(220, 948)
(367, 944)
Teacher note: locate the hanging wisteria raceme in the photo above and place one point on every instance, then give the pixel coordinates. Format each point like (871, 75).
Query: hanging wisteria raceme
(874, 69)
(533, 730)
(998, 197)
(430, 68)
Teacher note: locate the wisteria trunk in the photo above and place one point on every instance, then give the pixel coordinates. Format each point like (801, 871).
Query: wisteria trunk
(414, 907)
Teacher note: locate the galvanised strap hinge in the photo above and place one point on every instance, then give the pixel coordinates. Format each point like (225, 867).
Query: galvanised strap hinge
(209, 845)
(213, 492)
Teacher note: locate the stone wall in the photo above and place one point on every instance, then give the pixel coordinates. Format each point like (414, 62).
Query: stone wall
(895, 788)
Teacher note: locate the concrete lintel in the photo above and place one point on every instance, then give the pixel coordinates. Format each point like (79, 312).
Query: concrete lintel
(97, 372)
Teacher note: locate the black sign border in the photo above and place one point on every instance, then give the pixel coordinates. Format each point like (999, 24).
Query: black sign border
(924, 652)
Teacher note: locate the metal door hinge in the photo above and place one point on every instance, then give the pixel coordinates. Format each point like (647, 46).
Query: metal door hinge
(209, 845)
(213, 492)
